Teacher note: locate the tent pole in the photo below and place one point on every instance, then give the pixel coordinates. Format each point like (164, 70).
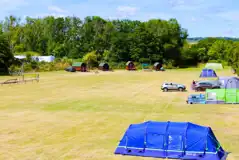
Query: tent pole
(145, 136)
(166, 140)
(226, 91)
(185, 139)
(205, 149)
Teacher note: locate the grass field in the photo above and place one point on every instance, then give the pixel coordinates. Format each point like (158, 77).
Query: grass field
(84, 115)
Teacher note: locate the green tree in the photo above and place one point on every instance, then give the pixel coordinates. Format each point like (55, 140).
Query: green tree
(91, 59)
(220, 49)
(6, 56)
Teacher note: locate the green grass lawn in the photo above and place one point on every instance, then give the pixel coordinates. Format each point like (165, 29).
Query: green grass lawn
(84, 115)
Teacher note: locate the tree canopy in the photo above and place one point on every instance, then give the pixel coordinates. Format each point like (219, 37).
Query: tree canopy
(6, 56)
(72, 37)
(95, 39)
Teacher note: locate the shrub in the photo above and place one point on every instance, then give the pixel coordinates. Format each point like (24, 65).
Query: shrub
(169, 65)
(114, 65)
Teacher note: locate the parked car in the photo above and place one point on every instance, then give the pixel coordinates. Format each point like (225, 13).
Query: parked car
(196, 99)
(172, 86)
(203, 85)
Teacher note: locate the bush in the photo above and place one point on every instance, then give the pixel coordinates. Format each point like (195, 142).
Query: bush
(41, 66)
(31, 53)
(144, 60)
(34, 65)
(91, 59)
(114, 65)
(14, 68)
(52, 66)
(27, 67)
(169, 65)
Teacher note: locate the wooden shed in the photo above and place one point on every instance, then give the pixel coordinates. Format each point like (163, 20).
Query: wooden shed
(79, 66)
(104, 67)
(130, 66)
(157, 66)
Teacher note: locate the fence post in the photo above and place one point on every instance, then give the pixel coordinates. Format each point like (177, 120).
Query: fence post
(37, 77)
(24, 79)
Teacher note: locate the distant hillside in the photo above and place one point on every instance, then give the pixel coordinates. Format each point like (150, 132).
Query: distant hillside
(196, 39)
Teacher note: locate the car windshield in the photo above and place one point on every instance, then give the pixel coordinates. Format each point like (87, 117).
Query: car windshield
(203, 83)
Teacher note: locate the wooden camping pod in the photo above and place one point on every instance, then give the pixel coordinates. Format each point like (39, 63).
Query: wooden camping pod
(80, 66)
(130, 66)
(157, 66)
(104, 67)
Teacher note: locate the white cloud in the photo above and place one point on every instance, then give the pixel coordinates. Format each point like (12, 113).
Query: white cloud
(56, 9)
(7, 5)
(231, 32)
(126, 11)
(56, 15)
(229, 15)
(193, 19)
(163, 16)
(176, 2)
(228, 32)
(190, 5)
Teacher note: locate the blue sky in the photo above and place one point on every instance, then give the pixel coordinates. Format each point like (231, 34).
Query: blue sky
(200, 17)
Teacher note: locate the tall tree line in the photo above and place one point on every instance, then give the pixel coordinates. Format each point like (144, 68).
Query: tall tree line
(111, 41)
(213, 50)
(118, 40)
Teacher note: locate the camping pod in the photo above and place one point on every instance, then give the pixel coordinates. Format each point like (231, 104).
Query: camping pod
(104, 67)
(157, 66)
(130, 66)
(172, 140)
(208, 73)
(79, 66)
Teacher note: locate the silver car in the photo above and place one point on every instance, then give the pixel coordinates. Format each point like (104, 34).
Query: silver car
(172, 86)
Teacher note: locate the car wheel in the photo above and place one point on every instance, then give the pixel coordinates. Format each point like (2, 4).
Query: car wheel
(165, 89)
(198, 89)
(180, 89)
(191, 102)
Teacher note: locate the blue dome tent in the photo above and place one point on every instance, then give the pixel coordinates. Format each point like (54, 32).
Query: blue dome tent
(208, 73)
(180, 140)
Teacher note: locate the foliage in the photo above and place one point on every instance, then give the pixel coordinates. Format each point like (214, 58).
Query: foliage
(42, 66)
(28, 53)
(113, 41)
(6, 56)
(215, 50)
(90, 59)
(96, 40)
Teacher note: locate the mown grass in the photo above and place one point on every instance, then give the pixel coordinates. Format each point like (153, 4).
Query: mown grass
(83, 115)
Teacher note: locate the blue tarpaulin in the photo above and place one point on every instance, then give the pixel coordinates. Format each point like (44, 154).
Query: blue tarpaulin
(208, 73)
(180, 140)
